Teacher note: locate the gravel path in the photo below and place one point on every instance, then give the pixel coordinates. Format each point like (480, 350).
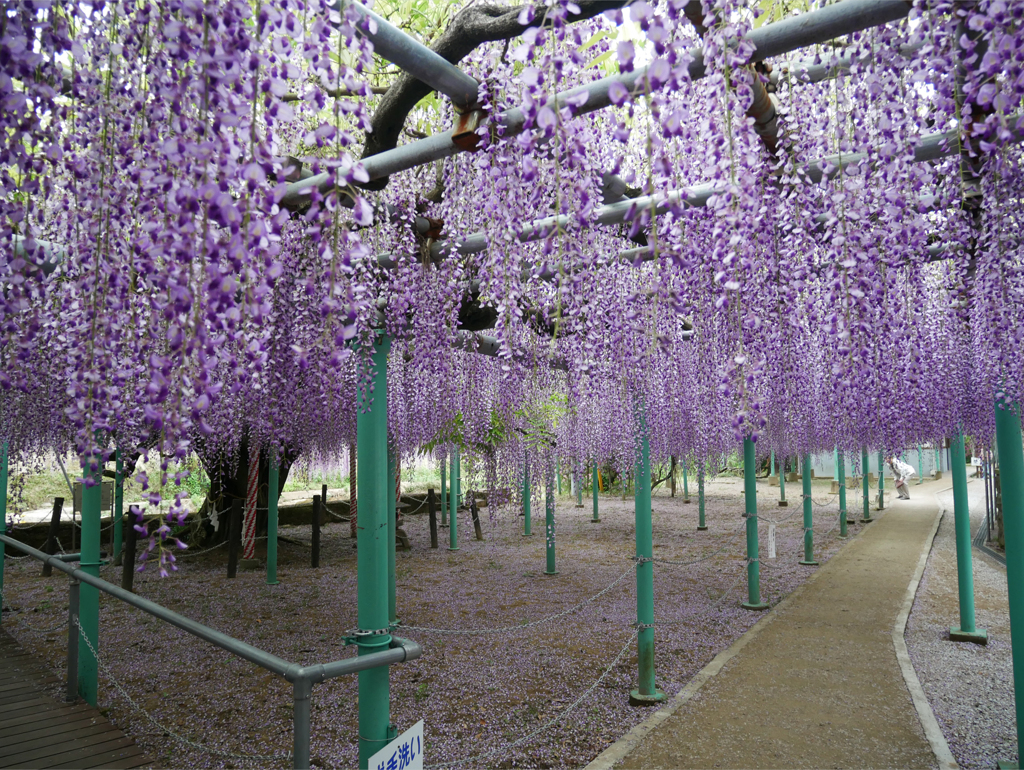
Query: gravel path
(497, 699)
(969, 686)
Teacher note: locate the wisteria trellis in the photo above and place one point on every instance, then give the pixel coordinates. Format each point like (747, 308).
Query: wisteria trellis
(148, 144)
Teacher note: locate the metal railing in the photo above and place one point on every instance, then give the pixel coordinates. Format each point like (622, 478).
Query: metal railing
(302, 677)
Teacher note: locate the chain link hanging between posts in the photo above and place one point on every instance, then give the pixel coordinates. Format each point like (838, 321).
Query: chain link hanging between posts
(14, 615)
(529, 624)
(163, 728)
(551, 722)
(700, 616)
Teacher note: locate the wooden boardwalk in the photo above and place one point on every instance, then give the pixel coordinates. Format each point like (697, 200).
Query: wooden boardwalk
(37, 730)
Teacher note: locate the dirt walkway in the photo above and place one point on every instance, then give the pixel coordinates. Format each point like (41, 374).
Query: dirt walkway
(820, 685)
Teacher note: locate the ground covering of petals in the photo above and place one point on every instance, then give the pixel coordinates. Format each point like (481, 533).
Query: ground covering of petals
(477, 693)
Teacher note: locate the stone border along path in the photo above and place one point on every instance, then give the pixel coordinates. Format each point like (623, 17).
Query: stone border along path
(817, 682)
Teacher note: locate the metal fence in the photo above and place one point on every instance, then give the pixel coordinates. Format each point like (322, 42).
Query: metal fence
(302, 678)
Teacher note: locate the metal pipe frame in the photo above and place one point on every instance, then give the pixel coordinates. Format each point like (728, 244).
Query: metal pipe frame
(773, 39)
(413, 57)
(303, 677)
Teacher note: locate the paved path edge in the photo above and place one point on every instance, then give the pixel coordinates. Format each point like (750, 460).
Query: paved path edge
(925, 714)
(624, 745)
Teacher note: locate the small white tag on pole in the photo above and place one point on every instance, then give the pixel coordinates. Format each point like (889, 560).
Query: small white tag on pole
(403, 753)
(771, 540)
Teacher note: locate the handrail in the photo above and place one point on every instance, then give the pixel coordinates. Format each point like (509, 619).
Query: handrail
(301, 677)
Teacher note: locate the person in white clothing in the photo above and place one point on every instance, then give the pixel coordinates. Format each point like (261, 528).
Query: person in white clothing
(901, 472)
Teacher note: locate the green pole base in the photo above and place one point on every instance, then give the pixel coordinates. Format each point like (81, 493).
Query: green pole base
(687, 500)
(783, 503)
(442, 526)
(701, 529)
(636, 699)
(550, 573)
(273, 582)
(868, 520)
(595, 521)
(1005, 764)
(809, 563)
(978, 635)
(756, 607)
(527, 534)
(453, 549)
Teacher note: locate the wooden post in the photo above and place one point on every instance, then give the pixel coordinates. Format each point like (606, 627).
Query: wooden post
(432, 511)
(51, 536)
(476, 516)
(316, 531)
(234, 536)
(131, 537)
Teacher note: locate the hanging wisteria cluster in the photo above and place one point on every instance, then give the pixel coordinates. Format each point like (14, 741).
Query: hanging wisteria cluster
(801, 273)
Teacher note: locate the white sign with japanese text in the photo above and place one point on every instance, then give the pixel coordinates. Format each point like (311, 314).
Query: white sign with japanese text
(403, 753)
(771, 541)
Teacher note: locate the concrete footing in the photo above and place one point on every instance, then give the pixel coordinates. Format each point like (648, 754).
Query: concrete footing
(760, 606)
(977, 636)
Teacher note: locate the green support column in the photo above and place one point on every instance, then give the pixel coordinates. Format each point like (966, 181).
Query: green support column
(881, 482)
(375, 728)
(597, 516)
(701, 524)
(686, 485)
(750, 505)
(938, 462)
(3, 517)
(866, 518)
(527, 524)
(1011, 482)
(549, 524)
(920, 465)
(453, 504)
(841, 468)
(647, 692)
(558, 475)
(771, 471)
(273, 482)
(579, 489)
(808, 560)
(392, 529)
(444, 493)
(89, 597)
(835, 470)
(118, 506)
(783, 503)
(964, 568)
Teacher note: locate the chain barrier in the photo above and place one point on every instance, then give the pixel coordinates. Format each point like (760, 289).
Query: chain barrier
(14, 615)
(700, 616)
(529, 624)
(163, 728)
(551, 722)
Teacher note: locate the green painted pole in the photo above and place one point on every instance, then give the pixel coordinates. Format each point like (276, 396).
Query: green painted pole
(750, 505)
(938, 461)
(372, 556)
(453, 504)
(1011, 482)
(444, 492)
(964, 568)
(118, 506)
(89, 596)
(701, 524)
(549, 524)
(527, 523)
(392, 531)
(686, 485)
(597, 516)
(808, 560)
(783, 503)
(881, 482)
(647, 692)
(835, 470)
(841, 466)
(558, 475)
(273, 484)
(771, 471)
(864, 483)
(3, 518)
(920, 465)
(579, 488)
